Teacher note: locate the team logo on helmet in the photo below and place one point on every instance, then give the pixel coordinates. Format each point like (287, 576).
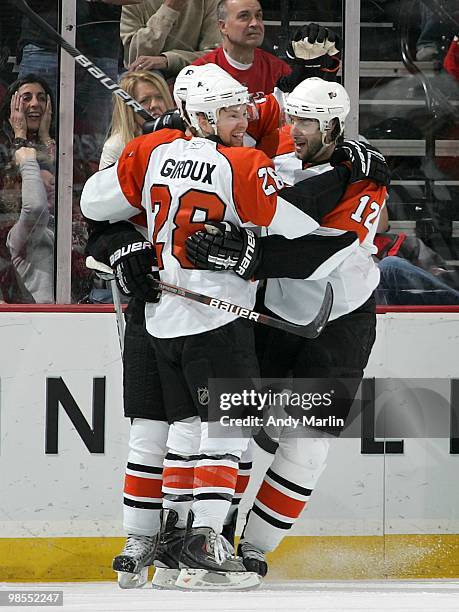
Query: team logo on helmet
(332, 94)
(203, 396)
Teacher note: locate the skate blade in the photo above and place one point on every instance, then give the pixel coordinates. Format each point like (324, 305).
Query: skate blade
(127, 580)
(203, 580)
(164, 578)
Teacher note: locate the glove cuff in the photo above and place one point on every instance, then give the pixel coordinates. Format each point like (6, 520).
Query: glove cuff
(250, 256)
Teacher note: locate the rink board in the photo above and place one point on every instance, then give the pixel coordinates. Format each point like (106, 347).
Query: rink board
(372, 516)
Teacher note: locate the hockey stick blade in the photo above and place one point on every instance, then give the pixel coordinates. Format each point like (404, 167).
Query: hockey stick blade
(311, 330)
(104, 271)
(83, 61)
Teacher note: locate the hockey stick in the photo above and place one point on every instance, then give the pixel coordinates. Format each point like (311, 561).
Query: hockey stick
(86, 63)
(105, 273)
(119, 313)
(311, 330)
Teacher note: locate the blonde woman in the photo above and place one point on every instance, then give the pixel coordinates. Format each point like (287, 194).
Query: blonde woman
(150, 89)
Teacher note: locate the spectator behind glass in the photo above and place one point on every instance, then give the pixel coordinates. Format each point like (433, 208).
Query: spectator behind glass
(451, 61)
(97, 36)
(434, 31)
(26, 117)
(242, 28)
(167, 35)
(30, 240)
(411, 273)
(153, 94)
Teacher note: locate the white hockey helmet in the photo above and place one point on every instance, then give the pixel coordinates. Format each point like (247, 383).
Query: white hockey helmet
(182, 82)
(211, 92)
(315, 98)
(186, 76)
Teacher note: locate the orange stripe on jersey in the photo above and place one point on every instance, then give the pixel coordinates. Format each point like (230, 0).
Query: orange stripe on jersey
(268, 117)
(178, 477)
(142, 487)
(133, 162)
(358, 210)
(279, 142)
(279, 502)
(255, 184)
(215, 476)
(241, 484)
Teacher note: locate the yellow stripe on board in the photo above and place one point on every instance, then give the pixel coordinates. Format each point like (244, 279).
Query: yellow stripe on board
(298, 558)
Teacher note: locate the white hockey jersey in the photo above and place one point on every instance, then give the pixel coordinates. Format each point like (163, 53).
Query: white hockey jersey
(181, 184)
(351, 271)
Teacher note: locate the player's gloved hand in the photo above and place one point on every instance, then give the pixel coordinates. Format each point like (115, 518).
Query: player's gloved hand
(224, 246)
(131, 257)
(313, 41)
(314, 52)
(169, 119)
(367, 163)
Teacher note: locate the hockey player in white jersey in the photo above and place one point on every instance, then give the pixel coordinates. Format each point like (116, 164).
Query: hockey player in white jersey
(316, 110)
(181, 184)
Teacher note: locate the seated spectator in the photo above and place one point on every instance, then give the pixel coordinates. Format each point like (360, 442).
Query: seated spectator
(153, 94)
(167, 35)
(406, 284)
(242, 29)
(411, 273)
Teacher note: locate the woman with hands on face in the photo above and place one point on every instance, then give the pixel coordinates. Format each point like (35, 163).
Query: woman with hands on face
(27, 155)
(26, 116)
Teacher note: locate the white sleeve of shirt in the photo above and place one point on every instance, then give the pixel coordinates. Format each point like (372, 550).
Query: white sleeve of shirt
(102, 198)
(290, 221)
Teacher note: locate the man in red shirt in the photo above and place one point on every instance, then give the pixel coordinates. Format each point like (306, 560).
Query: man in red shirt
(242, 28)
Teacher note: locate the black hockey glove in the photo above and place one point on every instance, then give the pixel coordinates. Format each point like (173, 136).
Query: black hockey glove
(224, 246)
(131, 257)
(368, 164)
(170, 119)
(311, 42)
(314, 52)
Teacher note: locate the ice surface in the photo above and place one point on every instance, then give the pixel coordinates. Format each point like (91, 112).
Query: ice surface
(384, 596)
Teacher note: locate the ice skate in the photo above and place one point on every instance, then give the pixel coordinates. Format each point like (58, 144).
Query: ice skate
(168, 551)
(253, 558)
(208, 563)
(133, 562)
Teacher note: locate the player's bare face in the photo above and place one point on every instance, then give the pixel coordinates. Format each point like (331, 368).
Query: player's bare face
(307, 138)
(150, 98)
(243, 25)
(232, 124)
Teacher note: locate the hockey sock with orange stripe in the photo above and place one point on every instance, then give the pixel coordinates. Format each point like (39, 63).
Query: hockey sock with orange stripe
(285, 490)
(214, 484)
(243, 477)
(183, 451)
(142, 499)
(178, 477)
